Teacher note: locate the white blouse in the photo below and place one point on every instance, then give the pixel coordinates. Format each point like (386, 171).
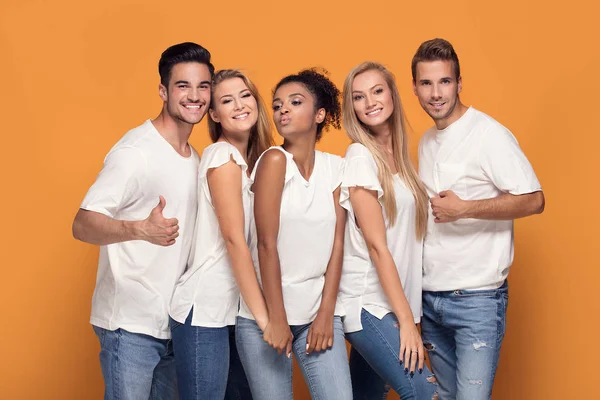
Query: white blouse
(208, 285)
(359, 285)
(306, 233)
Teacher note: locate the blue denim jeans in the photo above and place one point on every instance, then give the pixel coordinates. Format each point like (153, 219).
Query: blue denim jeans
(462, 332)
(270, 374)
(208, 366)
(375, 361)
(136, 366)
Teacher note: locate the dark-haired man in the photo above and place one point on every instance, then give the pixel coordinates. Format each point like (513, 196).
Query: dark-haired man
(141, 211)
(479, 181)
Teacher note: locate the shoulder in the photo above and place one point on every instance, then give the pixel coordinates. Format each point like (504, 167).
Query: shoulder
(357, 150)
(332, 159)
(492, 132)
(428, 136)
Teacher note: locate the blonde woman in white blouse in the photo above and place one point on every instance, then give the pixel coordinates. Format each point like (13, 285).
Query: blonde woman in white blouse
(386, 202)
(300, 228)
(206, 299)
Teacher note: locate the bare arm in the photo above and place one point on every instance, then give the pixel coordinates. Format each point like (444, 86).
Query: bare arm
(369, 215)
(320, 335)
(99, 229)
(448, 207)
(226, 192)
(268, 189)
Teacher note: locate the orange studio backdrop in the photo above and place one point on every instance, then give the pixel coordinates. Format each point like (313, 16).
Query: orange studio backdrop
(77, 75)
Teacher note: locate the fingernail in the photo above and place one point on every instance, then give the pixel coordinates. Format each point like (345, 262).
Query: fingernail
(289, 355)
(412, 374)
(401, 361)
(405, 370)
(420, 370)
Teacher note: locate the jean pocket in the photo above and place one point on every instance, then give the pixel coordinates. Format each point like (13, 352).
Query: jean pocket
(493, 293)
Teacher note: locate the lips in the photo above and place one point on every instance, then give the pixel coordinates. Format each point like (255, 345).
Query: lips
(285, 120)
(437, 105)
(241, 116)
(374, 112)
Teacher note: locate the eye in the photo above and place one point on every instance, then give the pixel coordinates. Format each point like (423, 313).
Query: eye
(296, 102)
(205, 86)
(378, 90)
(247, 94)
(446, 81)
(276, 107)
(226, 101)
(357, 97)
(182, 86)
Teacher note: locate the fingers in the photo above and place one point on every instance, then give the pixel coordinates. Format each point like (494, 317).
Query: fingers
(330, 342)
(310, 343)
(402, 351)
(414, 355)
(288, 349)
(320, 346)
(421, 358)
(161, 204)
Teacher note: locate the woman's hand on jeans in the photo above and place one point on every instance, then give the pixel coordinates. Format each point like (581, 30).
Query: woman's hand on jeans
(320, 333)
(412, 353)
(279, 336)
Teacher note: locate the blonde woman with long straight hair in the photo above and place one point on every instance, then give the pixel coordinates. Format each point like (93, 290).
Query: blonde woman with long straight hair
(206, 299)
(387, 204)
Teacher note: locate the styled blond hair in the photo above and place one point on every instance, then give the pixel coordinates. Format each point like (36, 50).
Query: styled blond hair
(260, 135)
(360, 133)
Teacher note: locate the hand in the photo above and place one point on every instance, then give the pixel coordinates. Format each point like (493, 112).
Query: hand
(320, 333)
(447, 207)
(412, 353)
(279, 336)
(157, 229)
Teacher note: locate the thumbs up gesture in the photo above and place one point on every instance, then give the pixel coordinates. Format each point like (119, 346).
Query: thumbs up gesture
(159, 230)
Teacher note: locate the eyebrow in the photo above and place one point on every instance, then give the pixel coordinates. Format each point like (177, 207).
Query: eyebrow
(187, 82)
(372, 87)
(230, 95)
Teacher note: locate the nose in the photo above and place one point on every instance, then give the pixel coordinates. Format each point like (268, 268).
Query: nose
(370, 101)
(436, 93)
(237, 104)
(284, 110)
(194, 94)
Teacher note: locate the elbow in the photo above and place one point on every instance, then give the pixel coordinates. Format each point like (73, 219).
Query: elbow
(540, 202)
(266, 245)
(376, 251)
(77, 229)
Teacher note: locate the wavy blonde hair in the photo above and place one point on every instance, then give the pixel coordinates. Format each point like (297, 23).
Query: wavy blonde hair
(260, 135)
(360, 133)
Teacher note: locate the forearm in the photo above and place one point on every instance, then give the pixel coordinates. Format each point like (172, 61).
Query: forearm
(99, 229)
(270, 273)
(332, 279)
(245, 276)
(505, 207)
(391, 284)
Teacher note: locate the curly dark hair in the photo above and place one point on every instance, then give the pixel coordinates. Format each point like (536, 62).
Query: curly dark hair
(326, 94)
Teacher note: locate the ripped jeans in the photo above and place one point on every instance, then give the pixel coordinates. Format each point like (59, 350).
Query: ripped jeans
(374, 361)
(462, 332)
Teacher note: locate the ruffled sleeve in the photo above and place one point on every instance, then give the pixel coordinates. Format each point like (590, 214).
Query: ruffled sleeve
(219, 154)
(289, 165)
(359, 170)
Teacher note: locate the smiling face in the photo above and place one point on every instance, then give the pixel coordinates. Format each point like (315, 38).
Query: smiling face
(234, 106)
(437, 88)
(372, 99)
(294, 110)
(187, 96)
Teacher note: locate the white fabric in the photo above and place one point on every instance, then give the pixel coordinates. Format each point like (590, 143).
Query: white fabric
(208, 285)
(136, 278)
(477, 158)
(306, 233)
(360, 286)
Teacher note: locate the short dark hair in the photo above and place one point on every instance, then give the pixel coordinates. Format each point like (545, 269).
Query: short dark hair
(326, 95)
(435, 50)
(182, 53)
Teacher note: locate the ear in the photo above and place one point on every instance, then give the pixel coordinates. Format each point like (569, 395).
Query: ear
(320, 117)
(213, 115)
(162, 92)
(459, 89)
(414, 87)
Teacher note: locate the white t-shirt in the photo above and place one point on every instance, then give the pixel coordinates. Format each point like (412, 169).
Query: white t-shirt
(477, 158)
(136, 278)
(306, 233)
(360, 286)
(208, 285)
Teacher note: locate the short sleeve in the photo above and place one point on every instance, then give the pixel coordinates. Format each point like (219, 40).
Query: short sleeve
(336, 167)
(219, 154)
(289, 163)
(118, 183)
(503, 161)
(360, 170)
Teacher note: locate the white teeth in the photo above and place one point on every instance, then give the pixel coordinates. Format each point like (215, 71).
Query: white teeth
(374, 112)
(192, 107)
(242, 116)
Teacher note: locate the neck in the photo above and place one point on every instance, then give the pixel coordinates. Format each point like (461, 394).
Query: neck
(237, 140)
(459, 110)
(176, 132)
(383, 137)
(302, 147)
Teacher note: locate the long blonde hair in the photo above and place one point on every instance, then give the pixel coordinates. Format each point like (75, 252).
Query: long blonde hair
(260, 135)
(360, 133)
